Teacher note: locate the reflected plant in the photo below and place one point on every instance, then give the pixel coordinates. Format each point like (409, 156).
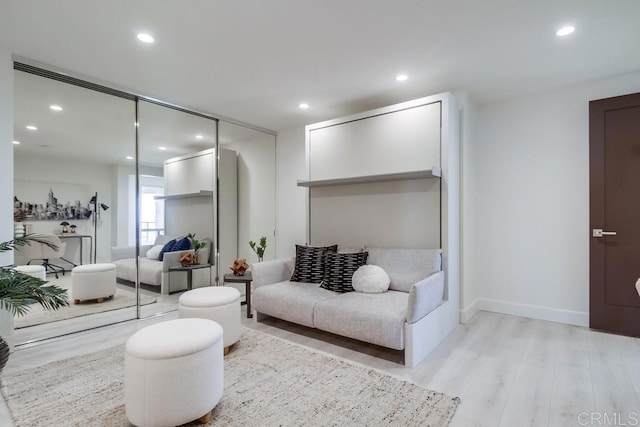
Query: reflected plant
(259, 249)
(18, 290)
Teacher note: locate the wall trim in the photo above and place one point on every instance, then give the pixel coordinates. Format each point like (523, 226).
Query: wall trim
(468, 312)
(571, 317)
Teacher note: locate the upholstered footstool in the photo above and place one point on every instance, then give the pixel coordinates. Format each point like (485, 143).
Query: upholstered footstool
(218, 303)
(37, 271)
(173, 372)
(93, 282)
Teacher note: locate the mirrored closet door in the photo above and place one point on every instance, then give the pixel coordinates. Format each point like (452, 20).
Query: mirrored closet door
(72, 146)
(177, 163)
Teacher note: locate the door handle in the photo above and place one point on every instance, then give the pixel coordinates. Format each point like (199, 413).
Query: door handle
(597, 232)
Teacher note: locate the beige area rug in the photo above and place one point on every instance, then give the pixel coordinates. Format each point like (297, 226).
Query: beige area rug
(121, 299)
(268, 382)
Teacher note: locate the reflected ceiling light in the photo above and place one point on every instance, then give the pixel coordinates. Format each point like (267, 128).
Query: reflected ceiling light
(129, 157)
(32, 127)
(402, 77)
(199, 136)
(55, 107)
(162, 148)
(303, 105)
(565, 31)
(16, 142)
(144, 37)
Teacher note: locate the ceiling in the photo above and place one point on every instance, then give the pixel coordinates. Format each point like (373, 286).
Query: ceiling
(256, 60)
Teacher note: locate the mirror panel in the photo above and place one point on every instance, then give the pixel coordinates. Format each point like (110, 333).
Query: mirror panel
(73, 156)
(177, 186)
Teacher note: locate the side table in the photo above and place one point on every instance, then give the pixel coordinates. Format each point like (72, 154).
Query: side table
(189, 269)
(246, 279)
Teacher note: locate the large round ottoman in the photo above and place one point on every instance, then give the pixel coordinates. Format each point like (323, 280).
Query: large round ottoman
(218, 303)
(37, 271)
(93, 282)
(173, 372)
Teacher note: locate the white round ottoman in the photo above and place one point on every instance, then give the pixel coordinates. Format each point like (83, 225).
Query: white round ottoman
(93, 281)
(36, 271)
(173, 372)
(218, 303)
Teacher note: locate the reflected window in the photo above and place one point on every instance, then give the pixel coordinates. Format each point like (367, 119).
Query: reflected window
(151, 209)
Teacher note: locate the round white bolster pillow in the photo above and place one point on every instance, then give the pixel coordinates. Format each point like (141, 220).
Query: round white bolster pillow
(370, 279)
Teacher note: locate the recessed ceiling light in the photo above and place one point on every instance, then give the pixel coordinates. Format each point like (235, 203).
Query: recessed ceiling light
(303, 105)
(16, 142)
(32, 127)
(565, 31)
(199, 136)
(162, 148)
(55, 107)
(401, 77)
(144, 37)
(129, 157)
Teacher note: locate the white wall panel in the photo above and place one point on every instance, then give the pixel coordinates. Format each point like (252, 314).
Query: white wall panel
(395, 142)
(403, 214)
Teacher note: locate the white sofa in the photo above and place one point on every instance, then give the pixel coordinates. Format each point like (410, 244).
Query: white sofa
(396, 319)
(152, 271)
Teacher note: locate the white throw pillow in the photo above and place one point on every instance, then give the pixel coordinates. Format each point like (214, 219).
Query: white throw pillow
(154, 252)
(370, 279)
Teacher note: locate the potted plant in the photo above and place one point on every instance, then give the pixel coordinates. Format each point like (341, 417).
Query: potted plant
(259, 249)
(19, 290)
(197, 245)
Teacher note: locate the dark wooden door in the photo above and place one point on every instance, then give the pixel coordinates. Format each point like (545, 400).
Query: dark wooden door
(614, 142)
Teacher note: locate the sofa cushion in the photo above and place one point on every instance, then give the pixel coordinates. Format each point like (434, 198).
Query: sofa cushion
(154, 252)
(309, 264)
(168, 247)
(150, 270)
(339, 269)
(374, 318)
(291, 301)
(181, 245)
(406, 267)
(370, 279)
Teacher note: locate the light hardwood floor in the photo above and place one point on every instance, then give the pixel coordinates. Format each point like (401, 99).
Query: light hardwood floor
(508, 371)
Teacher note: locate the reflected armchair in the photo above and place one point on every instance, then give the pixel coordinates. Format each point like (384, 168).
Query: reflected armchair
(39, 251)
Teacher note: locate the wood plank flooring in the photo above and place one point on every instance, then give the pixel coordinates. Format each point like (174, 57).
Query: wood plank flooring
(507, 370)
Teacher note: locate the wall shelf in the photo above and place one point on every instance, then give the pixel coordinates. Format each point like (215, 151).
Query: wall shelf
(201, 193)
(434, 172)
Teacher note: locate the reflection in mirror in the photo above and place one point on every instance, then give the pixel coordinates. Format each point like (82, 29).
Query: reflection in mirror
(71, 142)
(177, 198)
(256, 192)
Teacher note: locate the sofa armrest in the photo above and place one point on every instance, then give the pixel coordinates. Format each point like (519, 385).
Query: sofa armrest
(172, 259)
(123, 252)
(425, 296)
(270, 272)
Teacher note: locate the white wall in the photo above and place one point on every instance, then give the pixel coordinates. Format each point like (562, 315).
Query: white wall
(48, 171)
(529, 248)
(256, 194)
(291, 214)
(6, 152)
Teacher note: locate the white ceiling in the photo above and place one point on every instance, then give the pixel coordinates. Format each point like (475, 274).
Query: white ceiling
(256, 60)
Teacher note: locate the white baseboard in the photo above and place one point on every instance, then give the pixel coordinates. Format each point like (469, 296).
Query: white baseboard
(468, 312)
(571, 317)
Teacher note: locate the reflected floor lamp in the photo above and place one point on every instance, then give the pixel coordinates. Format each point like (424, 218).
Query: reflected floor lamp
(94, 208)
